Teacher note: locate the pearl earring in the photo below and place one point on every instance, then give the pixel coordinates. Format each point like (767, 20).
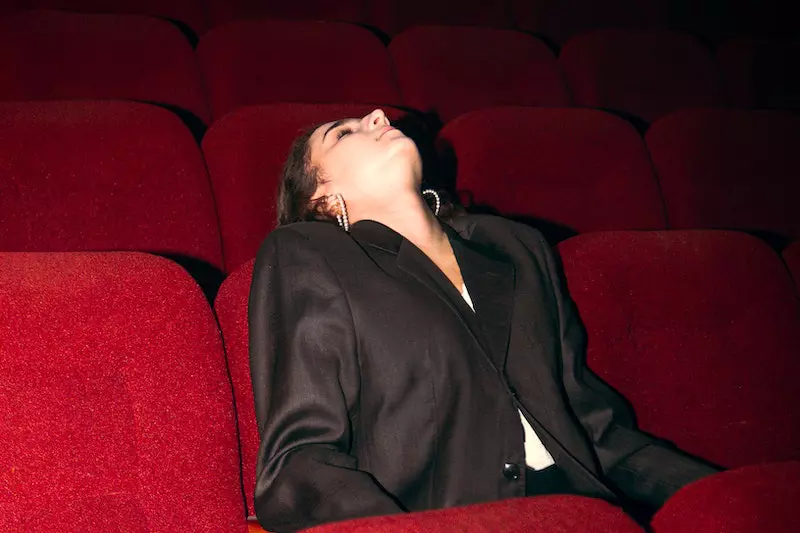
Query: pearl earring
(341, 214)
(435, 194)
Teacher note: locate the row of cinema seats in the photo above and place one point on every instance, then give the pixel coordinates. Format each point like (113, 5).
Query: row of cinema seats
(557, 19)
(121, 394)
(129, 176)
(444, 71)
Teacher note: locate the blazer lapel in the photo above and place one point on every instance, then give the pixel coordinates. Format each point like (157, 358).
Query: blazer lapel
(487, 281)
(490, 283)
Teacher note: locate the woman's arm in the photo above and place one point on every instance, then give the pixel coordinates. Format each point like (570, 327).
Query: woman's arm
(645, 469)
(305, 373)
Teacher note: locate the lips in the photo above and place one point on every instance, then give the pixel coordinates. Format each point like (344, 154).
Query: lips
(386, 129)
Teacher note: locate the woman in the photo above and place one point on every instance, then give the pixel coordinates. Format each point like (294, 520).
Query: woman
(400, 363)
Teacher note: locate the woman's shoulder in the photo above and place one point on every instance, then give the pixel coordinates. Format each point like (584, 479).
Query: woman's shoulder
(298, 237)
(501, 232)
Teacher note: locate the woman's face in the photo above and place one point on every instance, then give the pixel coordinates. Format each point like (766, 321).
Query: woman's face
(365, 160)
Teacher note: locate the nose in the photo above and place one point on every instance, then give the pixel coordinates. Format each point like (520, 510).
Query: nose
(376, 119)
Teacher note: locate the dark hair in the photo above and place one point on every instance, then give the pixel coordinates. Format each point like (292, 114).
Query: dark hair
(299, 181)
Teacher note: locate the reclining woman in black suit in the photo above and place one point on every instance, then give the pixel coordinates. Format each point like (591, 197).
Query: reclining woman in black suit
(403, 361)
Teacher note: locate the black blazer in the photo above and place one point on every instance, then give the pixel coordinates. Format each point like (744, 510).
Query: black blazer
(378, 390)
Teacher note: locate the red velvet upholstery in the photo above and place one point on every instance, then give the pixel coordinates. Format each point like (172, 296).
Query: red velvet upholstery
(729, 169)
(270, 61)
(245, 152)
(103, 176)
(231, 308)
(791, 256)
(762, 74)
(452, 70)
(544, 514)
(700, 331)
(395, 16)
(223, 11)
(754, 499)
(189, 12)
(562, 19)
(114, 399)
(579, 168)
(646, 73)
(61, 56)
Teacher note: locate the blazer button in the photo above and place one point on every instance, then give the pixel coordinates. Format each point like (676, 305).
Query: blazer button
(513, 392)
(511, 471)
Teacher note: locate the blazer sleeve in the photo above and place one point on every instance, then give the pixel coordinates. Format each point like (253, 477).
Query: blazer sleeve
(305, 374)
(645, 469)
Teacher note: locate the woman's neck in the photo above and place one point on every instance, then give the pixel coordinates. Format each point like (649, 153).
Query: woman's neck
(411, 217)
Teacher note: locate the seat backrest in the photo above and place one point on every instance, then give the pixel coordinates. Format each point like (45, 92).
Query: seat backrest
(566, 18)
(761, 74)
(188, 12)
(700, 331)
(581, 169)
(245, 152)
(453, 70)
(95, 176)
(729, 169)
(223, 11)
(114, 398)
(231, 309)
(56, 55)
(396, 16)
(644, 73)
(791, 256)
(251, 62)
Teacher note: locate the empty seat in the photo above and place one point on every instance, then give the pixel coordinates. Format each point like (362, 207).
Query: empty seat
(187, 12)
(644, 73)
(231, 309)
(729, 169)
(223, 11)
(452, 70)
(560, 20)
(114, 398)
(62, 56)
(580, 169)
(395, 16)
(269, 61)
(92, 176)
(700, 331)
(245, 152)
(791, 255)
(762, 74)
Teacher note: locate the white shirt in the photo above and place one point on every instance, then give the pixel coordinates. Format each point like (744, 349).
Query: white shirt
(536, 455)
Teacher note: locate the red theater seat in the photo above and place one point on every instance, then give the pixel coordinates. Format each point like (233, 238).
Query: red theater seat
(791, 256)
(452, 70)
(114, 398)
(189, 12)
(700, 331)
(562, 19)
(545, 514)
(762, 74)
(231, 308)
(270, 61)
(91, 176)
(580, 168)
(223, 11)
(69, 56)
(395, 16)
(729, 169)
(752, 499)
(645, 73)
(245, 152)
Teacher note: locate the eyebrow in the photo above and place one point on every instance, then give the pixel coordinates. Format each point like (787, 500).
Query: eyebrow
(336, 125)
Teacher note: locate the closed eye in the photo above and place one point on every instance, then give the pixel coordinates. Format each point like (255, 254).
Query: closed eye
(343, 133)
